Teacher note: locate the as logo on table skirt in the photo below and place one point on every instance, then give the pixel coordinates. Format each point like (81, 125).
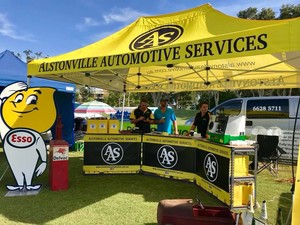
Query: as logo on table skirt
(112, 153)
(167, 156)
(211, 167)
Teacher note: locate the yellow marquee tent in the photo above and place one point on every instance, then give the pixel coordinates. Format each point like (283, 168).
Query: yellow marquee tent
(196, 49)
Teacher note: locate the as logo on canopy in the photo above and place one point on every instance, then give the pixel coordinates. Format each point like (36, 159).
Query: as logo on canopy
(156, 37)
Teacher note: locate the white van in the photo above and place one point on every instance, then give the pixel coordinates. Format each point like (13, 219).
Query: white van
(274, 115)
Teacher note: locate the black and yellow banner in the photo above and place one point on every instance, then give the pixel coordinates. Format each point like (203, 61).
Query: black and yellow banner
(213, 168)
(112, 153)
(169, 156)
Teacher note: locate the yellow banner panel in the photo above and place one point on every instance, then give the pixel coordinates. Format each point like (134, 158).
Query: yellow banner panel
(170, 140)
(214, 148)
(112, 169)
(174, 174)
(112, 138)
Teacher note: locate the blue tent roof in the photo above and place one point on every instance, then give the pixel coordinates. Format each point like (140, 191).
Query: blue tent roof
(13, 69)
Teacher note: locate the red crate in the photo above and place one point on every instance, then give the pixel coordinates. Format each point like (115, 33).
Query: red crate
(183, 212)
(212, 211)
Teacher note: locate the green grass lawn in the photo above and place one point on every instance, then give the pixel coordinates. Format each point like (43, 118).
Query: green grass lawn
(120, 199)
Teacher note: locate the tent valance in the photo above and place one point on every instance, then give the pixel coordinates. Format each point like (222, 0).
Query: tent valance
(196, 49)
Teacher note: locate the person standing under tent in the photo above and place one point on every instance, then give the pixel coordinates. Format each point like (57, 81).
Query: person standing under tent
(201, 120)
(164, 117)
(142, 117)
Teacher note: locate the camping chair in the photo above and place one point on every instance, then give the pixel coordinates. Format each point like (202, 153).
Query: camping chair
(268, 153)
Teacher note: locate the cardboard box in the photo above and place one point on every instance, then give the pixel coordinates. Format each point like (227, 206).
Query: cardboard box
(103, 126)
(113, 126)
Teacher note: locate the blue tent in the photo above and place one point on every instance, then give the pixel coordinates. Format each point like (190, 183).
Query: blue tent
(12, 69)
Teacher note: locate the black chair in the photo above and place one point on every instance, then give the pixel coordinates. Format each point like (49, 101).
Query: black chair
(268, 153)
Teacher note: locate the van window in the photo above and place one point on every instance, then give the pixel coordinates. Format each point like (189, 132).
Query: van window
(231, 107)
(293, 107)
(268, 108)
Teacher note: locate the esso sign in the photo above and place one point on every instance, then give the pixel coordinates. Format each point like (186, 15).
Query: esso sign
(21, 138)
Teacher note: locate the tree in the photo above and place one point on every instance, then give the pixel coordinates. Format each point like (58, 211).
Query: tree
(254, 14)
(289, 11)
(156, 96)
(30, 55)
(266, 14)
(250, 13)
(114, 98)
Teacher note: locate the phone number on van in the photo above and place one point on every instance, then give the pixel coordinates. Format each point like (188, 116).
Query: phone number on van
(267, 108)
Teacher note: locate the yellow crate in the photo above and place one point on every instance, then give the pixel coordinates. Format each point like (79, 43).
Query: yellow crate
(238, 194)
(241, 193)
(241, 165)
(248, 188)
(113, 126)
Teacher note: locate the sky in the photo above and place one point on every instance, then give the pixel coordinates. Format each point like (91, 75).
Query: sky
(55, 27)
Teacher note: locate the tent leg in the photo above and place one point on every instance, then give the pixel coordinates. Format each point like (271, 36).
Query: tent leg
(123, 105)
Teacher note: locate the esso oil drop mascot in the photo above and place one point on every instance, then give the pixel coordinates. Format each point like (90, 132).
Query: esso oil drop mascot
(25, 114)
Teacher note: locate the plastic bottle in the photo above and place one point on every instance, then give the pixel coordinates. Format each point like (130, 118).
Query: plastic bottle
(250, 204)
(249, 214)
(248, 218)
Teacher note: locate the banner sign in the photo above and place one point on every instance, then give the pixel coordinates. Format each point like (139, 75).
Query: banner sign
(213, 166)
(169, 153)
(192, 51)
(112, 150)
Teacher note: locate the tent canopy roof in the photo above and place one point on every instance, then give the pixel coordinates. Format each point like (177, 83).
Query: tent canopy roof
(195, 49)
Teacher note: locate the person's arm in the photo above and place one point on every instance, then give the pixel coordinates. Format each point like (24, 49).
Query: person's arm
(175, 127)
(133, 118)
(154, 121)
(151, 119)
(191, 128)
(137, 120)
